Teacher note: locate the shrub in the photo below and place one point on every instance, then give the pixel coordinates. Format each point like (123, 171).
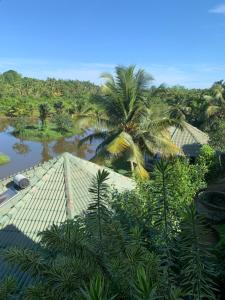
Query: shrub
(63, 122)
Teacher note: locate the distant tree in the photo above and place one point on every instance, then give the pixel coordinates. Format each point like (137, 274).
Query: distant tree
(11, 76)
(58, 106)
(214, 103)
(20, 125)
(63, 122)
(44, 112)
(217, 135)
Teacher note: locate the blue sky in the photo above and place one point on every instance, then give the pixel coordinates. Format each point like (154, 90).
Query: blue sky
(177, 41)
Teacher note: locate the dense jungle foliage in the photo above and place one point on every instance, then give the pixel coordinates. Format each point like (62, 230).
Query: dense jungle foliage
(128, 114)
(149, 243)
(21, 96)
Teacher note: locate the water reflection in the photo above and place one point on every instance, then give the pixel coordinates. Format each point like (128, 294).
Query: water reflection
(45, 153)
(72, 145)
(21, 148)
(4, 123)
(25, 154)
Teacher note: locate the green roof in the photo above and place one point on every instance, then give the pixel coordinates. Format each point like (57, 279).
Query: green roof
(189, 139)
(58, 190)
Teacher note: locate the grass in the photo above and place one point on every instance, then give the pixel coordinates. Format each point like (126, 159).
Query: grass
(36, 133)
(4, 159)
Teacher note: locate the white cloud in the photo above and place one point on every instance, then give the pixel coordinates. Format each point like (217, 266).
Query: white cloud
(219, 9)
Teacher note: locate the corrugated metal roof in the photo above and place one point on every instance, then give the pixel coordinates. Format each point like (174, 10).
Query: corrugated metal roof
(58, 190)
(189, 139)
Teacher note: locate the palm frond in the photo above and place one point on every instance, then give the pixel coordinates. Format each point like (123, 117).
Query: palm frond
(7, 288)
(119, 144)
(27, 259)
(94, 136)
(98, 210)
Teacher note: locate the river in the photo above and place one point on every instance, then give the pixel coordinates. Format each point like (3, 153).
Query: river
(25, 154)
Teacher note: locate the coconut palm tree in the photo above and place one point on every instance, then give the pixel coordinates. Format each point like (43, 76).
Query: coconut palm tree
(44, 111)
(214, 104)
(128, 127)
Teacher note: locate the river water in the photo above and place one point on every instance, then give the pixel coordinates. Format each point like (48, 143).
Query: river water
(25, 154)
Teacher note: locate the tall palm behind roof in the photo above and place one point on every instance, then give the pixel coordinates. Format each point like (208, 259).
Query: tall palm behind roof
(129, 127)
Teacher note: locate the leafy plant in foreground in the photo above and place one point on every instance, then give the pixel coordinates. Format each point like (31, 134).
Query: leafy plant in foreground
(198, 269)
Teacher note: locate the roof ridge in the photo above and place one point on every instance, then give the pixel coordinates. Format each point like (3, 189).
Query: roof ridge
(191, 132)
(68, 187)
(196, 129)
(90, 163)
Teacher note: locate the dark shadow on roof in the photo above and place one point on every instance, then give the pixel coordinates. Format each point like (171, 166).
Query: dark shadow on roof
(191, 149)
(11, 237)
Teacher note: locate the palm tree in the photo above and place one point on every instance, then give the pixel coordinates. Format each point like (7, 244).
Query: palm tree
(214, 104)
(128, 127)
(44, 111)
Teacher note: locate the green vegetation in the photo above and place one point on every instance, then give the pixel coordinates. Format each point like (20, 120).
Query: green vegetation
(22, 95)
(129, 127)
(149, 243)
(50, 132)
(4, 159)
(129, 116)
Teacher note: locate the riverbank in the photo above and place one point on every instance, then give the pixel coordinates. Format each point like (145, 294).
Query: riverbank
(51, 132)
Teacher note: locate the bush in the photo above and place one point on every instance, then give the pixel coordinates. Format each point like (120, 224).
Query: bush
(211, 160)
(20, 126)
(63, 122)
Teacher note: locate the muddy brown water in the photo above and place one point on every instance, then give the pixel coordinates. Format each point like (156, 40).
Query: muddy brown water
(25, 154)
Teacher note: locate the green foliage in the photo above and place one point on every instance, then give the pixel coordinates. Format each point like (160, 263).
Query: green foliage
(98, 210)
(7, 288)
(63, 122)
(127, 250)
(211, 161)
(11, 76)
(145, 288)
(206, 156)
(129, 126)
(96, 290)
(44, 112)
(20, 124)
(58, 106)
(198, 270)
(216, 135)
(22, 95)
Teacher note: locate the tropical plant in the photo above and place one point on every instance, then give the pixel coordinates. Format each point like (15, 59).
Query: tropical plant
(58, 106)
(63, 122)
(198, 271)
(20, 125)
(214, 103)
(44, 112)
(7, 288)
(101, 256)
(216, 135)
(129, 128)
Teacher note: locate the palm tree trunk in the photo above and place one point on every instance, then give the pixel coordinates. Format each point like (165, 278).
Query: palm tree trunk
(220, 163)
(132, 166)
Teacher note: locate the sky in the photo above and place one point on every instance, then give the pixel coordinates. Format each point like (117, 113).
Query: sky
(179, 42)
